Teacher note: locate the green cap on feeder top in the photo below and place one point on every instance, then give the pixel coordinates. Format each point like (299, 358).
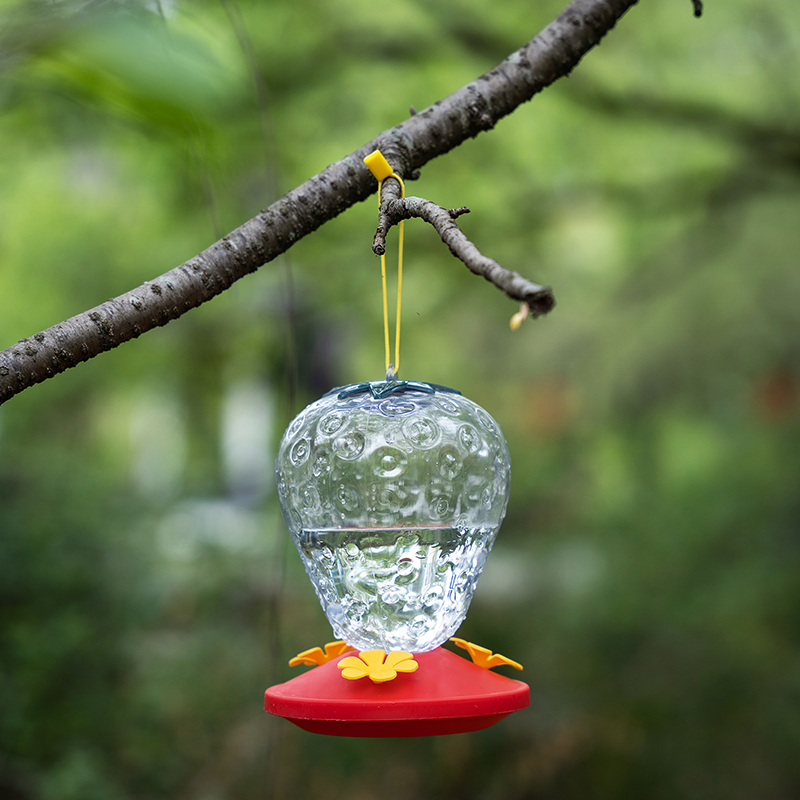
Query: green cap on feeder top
(393, 493)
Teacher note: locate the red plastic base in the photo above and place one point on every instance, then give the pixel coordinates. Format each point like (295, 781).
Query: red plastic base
(447, 694)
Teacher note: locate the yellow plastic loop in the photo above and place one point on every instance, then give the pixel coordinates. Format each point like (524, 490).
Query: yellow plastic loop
(382, 170)
(378, 166)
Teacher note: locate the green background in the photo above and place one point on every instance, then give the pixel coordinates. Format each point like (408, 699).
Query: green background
(647, 571)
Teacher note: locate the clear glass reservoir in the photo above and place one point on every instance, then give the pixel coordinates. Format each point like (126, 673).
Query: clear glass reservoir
(393, 494)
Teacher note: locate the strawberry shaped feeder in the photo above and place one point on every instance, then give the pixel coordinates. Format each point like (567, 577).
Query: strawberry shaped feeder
(393, 492)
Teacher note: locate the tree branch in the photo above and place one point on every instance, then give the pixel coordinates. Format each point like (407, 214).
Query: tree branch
(540, 299)
(430, 133)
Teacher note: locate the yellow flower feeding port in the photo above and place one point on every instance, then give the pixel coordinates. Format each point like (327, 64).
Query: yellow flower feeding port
(376, 665)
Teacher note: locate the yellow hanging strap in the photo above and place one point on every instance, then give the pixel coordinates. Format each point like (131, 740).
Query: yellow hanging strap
(382, 170)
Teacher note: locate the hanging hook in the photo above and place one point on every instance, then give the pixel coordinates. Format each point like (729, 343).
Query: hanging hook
(382, 170)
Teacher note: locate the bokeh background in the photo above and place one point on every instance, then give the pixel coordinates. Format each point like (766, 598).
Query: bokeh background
(648, 572)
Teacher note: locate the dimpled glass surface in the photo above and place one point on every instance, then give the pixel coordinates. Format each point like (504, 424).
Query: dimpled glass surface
(393, 494)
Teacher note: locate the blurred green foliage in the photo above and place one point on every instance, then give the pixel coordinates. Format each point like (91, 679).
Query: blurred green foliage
(646, 574)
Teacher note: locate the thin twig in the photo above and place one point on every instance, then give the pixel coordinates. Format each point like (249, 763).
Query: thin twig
(539, 299)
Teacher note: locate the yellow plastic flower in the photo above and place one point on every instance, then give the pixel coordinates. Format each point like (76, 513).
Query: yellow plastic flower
(316, 656)
(484, 657)
(371, 664)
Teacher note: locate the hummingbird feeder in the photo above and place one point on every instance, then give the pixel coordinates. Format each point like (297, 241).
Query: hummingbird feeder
(393, 492)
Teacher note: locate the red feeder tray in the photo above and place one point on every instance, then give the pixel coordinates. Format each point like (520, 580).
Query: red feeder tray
(446, 694)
